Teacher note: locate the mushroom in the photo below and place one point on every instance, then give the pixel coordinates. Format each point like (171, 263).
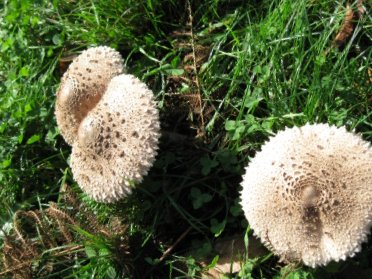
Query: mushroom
(307, 195)
(117, 140)
(111, 121)
(83, 85)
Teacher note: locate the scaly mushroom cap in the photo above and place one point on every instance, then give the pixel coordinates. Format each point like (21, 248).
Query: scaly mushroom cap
(83, 85)
(117, 141)
(308, 194)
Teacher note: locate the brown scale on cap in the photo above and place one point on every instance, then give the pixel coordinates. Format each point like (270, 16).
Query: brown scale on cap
(83, 85)
(117, 140)
(308, 196)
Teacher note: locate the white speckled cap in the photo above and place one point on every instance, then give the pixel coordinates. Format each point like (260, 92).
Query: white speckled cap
(117, 140)
(83, 85)
(308, 193)
(111, 121)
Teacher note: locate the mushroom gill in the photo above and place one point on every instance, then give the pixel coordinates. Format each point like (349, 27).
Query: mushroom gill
(307, 194)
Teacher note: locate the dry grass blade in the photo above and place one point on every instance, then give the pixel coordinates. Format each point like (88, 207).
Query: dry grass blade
(36, 231)
(197, 80)
(89, 220)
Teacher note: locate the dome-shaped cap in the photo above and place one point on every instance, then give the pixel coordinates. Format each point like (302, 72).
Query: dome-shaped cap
(117, 140)
(83, 85)
(308, 194)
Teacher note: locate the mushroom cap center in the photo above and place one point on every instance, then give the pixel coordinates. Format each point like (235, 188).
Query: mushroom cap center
(310, 196)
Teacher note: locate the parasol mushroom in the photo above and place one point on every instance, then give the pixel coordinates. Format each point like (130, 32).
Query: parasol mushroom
(82, 87)
(111, 121)
(117, 140)
(307, 194)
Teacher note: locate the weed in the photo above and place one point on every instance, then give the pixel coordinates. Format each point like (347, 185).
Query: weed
(227, 74)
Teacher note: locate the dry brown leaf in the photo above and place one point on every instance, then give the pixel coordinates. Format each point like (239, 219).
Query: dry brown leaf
(348, 23)
(347, 27)
(231, 251)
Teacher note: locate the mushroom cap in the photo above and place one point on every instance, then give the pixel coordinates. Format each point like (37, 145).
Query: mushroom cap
(117, 140)
(307, 194)
(83, 85)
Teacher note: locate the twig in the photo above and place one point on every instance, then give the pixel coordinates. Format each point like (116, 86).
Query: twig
(170, 249)
(69, 250)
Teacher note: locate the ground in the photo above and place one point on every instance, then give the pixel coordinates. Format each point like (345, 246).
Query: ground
(226, 74)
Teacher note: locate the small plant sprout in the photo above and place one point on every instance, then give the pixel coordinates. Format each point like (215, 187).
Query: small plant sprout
(112, 123)
(307, 194)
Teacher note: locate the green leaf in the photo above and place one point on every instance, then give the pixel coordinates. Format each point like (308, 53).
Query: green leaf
(203, 249)
(217, 227)
(6, 163)
(230, 125)
(213, 262)
(104, 252)
(20, 138)
(50, 52)
(24, 72)
(257, 70)
(57, 39)
(34, 20)
(206, 197)
(185, 88)
(199, 198)
(51, 135)
(195, 192)
(176, 61)
(320, 60)
(151, 261)
(28, 108)
(207, 165)
(175, 72)
(3, 127)
(90, 251)
(197, 203)
(252, 102)
(235, 210)
(238, 132)
(7, 44)
(111, 273)
(33, 139)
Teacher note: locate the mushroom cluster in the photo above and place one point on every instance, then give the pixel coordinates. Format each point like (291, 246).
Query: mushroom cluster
(308, 194)
(111, 121)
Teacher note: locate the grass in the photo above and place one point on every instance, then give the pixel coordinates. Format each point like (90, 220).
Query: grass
(226, 74)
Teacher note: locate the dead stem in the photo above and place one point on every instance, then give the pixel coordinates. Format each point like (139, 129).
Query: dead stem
(197, 80)
(170, 249)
